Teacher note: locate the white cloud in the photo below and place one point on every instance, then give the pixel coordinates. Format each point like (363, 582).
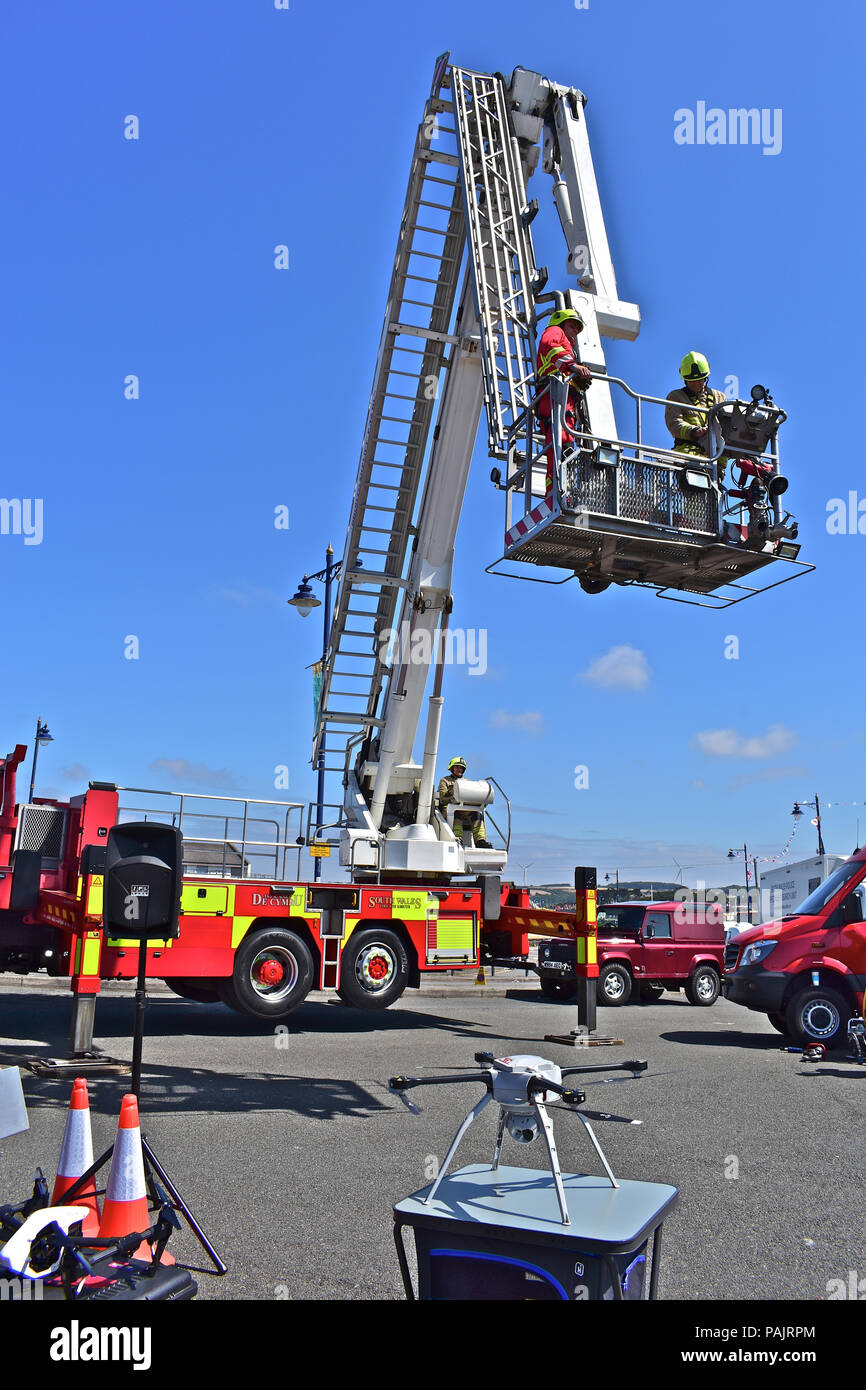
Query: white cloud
(531, 721)
(728, 743)
(623, 668)
(199, 774)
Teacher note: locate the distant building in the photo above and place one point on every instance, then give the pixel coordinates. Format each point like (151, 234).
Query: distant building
(218, 861)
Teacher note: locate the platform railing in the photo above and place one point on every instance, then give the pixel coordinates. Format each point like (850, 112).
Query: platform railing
(243, 849)
(659, 469)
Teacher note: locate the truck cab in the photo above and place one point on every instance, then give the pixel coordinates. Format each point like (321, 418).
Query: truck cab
(807, 969)
(654, 946)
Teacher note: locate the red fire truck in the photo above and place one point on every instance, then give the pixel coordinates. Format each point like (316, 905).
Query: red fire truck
(250, 935)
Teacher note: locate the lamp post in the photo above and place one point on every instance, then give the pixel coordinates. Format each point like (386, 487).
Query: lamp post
(305, 601)
(733, 854)
(816, 803)
(42, 736)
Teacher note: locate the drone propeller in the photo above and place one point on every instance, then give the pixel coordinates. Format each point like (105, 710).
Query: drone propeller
(603, 1115)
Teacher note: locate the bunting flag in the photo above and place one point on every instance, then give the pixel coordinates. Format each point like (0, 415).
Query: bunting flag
(317, 692)
(783, 852)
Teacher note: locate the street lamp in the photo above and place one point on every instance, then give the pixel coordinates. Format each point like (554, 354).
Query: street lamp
(817, 821)
(42, 736)
(305, 601)
(734, 854)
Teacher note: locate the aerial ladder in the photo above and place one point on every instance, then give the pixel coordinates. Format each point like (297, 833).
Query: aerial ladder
(458, 340)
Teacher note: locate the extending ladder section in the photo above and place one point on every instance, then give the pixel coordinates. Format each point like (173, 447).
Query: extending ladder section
(413, 350)
(501, 251)
(465, 199)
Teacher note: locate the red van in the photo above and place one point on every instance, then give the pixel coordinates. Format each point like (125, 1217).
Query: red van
(656, 946)
(807, 970)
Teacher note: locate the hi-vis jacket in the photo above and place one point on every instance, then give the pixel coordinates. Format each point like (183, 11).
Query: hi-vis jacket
(555, 358)
(681, 417)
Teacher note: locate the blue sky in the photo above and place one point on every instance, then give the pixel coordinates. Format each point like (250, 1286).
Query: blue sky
(154, 257)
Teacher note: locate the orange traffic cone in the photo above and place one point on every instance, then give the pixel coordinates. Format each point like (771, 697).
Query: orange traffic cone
(125, 1207)
(76, 1156)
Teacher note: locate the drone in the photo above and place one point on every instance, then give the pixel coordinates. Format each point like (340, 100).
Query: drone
(523, 1087)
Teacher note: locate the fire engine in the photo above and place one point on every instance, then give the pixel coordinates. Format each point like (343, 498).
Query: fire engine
(459, 339)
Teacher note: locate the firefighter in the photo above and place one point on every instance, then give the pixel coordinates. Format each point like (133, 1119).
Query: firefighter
(689, 426)
(556, 357)
(463, 820)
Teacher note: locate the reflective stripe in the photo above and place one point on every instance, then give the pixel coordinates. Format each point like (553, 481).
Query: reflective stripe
(95, 896)
(414, 907)
(240, 927)
(544, 362)
(92, 948)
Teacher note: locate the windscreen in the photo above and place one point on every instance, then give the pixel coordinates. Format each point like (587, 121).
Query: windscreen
(619, 919)
(818, 900)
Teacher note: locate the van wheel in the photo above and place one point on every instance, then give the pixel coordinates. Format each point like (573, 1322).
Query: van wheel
(558, 990)
(614, 984)
(374, 970)
(703, 986)
(272, 975)
(818, 1015)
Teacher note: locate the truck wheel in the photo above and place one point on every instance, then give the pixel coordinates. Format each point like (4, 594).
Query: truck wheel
(560, 991)
(614, 984)
(374, 970)
(196, 990)
(703, 986)
(818, 1015)
(272, 974)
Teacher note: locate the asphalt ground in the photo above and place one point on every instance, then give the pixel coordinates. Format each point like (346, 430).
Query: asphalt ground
(290, 1151)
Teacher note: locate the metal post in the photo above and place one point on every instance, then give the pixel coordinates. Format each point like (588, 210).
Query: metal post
(35, 753)
(757, 886)
(81, 1026)
(818, 816)
(320, 789)
(746, 878)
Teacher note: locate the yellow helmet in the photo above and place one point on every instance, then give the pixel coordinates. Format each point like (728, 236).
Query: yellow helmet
(563, 315)
(456, 762)
(693, 365)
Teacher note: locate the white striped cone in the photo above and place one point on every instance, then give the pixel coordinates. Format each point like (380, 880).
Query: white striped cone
(125, 1207)
(76, 1156)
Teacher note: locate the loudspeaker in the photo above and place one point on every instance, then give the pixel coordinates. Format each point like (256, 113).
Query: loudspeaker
(26, 873)
(143, 881)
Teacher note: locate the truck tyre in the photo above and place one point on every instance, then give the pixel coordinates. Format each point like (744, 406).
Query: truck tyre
(614, 984)
(560, 991)
(702, 987)
(272, 975)
(818, 1015)
(374, 970)
(197, 990)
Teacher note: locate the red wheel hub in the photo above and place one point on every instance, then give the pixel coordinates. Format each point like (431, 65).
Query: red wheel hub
(269, 972)
(377, 967)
